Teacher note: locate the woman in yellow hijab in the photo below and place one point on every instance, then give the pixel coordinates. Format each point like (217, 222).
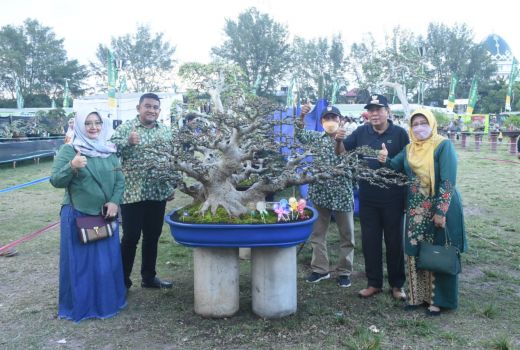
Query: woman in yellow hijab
(434, 205)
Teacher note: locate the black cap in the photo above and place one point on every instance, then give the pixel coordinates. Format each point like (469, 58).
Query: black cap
(377, 100)
(330, 110)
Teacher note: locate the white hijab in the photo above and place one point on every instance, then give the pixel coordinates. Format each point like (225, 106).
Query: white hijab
(98, 147)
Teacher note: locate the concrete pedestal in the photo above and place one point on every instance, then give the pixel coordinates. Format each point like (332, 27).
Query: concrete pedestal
(273, 274)
(216, 274)
(244, 253)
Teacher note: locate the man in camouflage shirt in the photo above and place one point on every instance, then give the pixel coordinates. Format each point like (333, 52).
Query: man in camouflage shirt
(144, 199)
(328, 197)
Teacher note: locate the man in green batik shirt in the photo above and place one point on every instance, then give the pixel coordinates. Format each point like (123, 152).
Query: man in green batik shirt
(145, 196)
(331, 196)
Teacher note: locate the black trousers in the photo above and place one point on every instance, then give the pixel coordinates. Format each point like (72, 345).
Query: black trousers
(378, 221)
(146, 217)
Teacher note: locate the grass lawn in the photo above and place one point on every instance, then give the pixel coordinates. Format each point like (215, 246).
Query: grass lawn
(328, 317)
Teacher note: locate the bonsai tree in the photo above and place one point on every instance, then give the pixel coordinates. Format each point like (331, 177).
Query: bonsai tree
(512, 123)
(237, 141)
(53, 121)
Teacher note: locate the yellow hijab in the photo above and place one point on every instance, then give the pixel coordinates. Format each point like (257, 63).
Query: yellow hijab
(420, 153)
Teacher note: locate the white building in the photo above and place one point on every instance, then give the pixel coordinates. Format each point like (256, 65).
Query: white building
(500, 54)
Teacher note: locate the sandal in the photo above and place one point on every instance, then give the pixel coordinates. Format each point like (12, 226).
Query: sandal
(8, 253)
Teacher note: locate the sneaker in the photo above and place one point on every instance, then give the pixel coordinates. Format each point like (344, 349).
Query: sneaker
(316, 277)
(344, 281)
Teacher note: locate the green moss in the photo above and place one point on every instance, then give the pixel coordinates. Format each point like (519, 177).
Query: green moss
(191, 214)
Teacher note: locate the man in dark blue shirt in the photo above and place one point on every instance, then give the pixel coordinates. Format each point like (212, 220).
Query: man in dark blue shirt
(380, 209)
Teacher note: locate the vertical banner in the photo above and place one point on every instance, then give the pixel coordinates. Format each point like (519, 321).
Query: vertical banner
(290, 97)
(473, 96)
(451, 96)
(335, 89)
(512, 78)
(19, 96)
(112, 79)
(122, 84)
(66, 94)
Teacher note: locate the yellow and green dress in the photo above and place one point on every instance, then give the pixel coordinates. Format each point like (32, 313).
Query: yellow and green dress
(443, 199)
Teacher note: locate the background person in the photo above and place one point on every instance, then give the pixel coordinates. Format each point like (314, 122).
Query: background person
(91, 275)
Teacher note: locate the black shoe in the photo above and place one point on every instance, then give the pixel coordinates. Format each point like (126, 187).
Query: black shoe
(344, 281)
(157, 283)
(432, 313)
(316, 277)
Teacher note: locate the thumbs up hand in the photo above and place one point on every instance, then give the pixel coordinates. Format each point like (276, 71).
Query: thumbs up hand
(306, 108)
(78, 161)
(383, 154)
(133, 138)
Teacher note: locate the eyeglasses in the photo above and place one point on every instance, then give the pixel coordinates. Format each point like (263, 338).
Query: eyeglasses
(93, 124)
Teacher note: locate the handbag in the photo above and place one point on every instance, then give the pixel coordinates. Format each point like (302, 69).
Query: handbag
(439, 258)
(92, 228)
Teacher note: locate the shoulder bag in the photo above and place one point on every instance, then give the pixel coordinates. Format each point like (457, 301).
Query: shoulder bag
(439, 258)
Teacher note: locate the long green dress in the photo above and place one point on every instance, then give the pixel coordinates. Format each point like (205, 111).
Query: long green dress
(424, 286)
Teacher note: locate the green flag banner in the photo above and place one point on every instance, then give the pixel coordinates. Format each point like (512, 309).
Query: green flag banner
(512, 78)
(112, 80)
(451, 96)
(335, 88)
(19, 96)
(290, 97)
(473, 96)
(66, 94)
(122, 84)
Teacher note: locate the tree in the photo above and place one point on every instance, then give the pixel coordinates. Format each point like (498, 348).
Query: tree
(145, 57)
(218, 79)
(452, 51)
(317, 65)
(32, 55)
(365, 62)
(258, 45)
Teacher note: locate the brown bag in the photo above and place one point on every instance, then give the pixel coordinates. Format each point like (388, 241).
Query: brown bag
(93, 228)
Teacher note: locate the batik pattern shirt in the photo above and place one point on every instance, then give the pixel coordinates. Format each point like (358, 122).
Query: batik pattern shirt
(143, 183)
(334, 194)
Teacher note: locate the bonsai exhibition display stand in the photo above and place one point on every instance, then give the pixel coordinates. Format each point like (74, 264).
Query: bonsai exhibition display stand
(216, 264)
(513, 135)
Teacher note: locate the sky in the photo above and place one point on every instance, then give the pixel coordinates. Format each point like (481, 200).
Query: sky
(195, 26)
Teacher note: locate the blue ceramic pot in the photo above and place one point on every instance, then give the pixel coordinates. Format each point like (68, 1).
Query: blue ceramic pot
(241, 235)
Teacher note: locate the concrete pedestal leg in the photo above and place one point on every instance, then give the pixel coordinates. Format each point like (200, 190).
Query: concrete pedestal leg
(216, 274)
(244, 253)
(273, 277)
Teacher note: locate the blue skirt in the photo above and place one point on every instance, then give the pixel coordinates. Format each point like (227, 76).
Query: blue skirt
(91, 275)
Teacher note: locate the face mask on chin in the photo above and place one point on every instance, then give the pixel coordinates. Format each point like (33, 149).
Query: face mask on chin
(330, 126)
(422, 132)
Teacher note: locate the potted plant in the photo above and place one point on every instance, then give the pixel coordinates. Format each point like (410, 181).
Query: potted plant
(53, 121)
(233, 143)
